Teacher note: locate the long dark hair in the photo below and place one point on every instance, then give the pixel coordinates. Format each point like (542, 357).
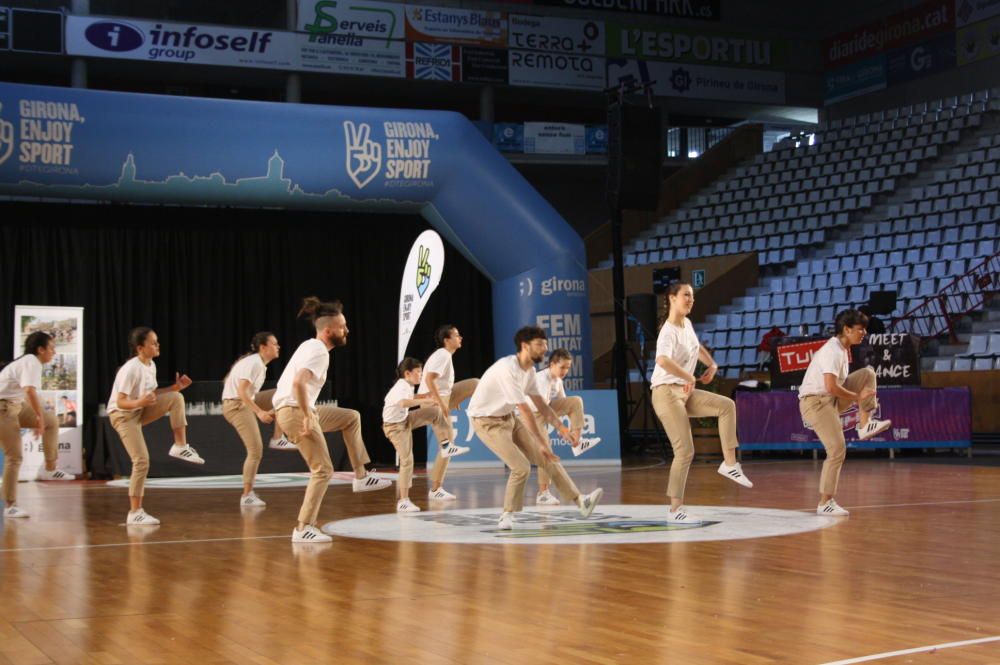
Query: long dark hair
(315, 309)
(32, 345)
(257, 341)
(672, 290)
(408, 365)
(137, 337)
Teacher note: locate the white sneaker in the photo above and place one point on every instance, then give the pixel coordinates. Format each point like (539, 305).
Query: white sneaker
(14, 512)
(186, 453)
(735, 473)
(282, 444)
(506, 522)
(454, 451)
(370, 483)
(546, 499)
(406, 506)
(251, 500)
(831, 509)
(53, 475)
(589, 502)
(310, 534)
(681, 516)
(441, 494)
(140, 518)
(872, 428)
(585, 445)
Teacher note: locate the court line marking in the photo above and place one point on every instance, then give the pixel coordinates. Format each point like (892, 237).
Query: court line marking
(904, 652)
(217, 540)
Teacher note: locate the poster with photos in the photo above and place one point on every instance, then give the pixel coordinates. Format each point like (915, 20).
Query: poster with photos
(62, 384)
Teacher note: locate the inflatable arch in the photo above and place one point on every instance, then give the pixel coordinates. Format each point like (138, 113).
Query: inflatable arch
(88, 144)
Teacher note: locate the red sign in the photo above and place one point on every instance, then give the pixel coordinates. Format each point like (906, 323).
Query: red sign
(891, 32)
(796, 357)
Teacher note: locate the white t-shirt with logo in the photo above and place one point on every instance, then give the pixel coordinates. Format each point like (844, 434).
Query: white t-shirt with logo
(549, 387)
(313, 356)
(439, 363)
(391, 411)
(135, 379)
(22, 373)
(680, 345)
(502, 388)
(831, 358)
(251, 368)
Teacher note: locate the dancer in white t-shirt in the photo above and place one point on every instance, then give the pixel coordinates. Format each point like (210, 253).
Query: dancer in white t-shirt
(136, 401)
(304, 423)
(438, 383)
(676, 400)
(550, 387)
(20, 381)
(398, 423)
(827, 390)
(244, 403)
(508, 386)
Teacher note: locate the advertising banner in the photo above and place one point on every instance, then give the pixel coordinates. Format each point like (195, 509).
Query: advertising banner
(701, 82)
(856, 79)
(556, 70)
(922, 418)
(702, 10)
(647, 42)
(233, 47)
(62, 384)
(968, 12)
(979, 41)
(457, 26)
(508, 136)
(433, 62)
(913, 25)
(597, 140)
(326, 19)
(600, 420)
(561, 35)
(554, 138)
(919, 60)
(484, 65)
(421, 276)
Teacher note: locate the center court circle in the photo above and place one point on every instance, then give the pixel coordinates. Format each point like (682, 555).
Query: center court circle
(611, 524)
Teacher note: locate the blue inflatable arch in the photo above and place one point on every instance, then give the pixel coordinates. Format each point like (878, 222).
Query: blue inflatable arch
(87, 144)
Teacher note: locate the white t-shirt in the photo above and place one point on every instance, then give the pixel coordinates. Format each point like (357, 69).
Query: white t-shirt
(549, 387)
(135, 379)
(831, 358)
(251, 368)
(18, 375)
(313, 356)
(439, 363)
(680, 345)
(502, 387)
(391, 411)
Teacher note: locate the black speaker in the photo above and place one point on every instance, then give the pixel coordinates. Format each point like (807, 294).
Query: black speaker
(882, 302)
(641, 312)
(635, 155)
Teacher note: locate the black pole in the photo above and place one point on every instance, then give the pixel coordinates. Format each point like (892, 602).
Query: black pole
(618, 292)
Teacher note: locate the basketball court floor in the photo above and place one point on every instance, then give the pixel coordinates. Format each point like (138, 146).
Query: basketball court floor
(909, 577)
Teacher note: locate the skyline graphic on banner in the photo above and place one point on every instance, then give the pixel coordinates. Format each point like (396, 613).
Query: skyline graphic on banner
(211, 189)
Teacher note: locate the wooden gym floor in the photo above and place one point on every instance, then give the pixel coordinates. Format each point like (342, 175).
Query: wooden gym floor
(914, 566)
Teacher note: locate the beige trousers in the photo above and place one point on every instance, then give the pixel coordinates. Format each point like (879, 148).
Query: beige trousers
(129, 424)
(822, 413)
(401, 436)
(244, 420)
(314, 450)
(674, 409)
(13, 417)
(563, 406)
(460, 392)
(511, 441)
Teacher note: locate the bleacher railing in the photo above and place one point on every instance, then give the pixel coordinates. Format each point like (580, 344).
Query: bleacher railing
(938, 313)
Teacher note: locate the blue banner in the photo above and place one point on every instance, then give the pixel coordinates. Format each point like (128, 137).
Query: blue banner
(600, 409)
(509, 136)
(856, 79)
(597, 140)
(67, 143)
(919, 60)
